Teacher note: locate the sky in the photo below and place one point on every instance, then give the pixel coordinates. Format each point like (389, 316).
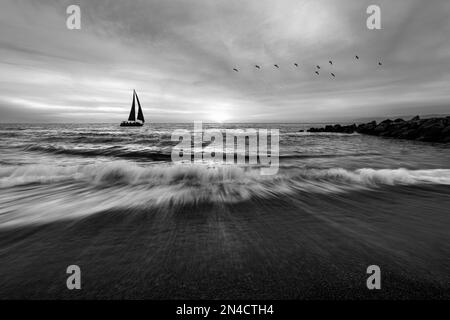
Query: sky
(179, 56)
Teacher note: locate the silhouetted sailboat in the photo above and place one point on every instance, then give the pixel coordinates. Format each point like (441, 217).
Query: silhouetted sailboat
(132, 118)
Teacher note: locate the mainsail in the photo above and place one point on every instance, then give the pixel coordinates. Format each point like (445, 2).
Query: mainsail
(140, 114)
(132, 116)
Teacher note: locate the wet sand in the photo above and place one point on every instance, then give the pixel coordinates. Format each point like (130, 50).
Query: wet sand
(295, 248)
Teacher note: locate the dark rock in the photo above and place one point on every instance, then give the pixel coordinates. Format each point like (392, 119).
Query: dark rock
(410, 134)
(431, 132)
(315, 130)
(366, 127)
(335, 128)
(446, 130)
(432, 129)
(349, 129)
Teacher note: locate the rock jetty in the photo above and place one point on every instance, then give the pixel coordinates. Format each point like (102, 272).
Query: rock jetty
(430, 129)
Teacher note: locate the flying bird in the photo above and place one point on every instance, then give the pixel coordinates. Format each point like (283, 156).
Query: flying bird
(258, 67)
(317, 72)
(380, 64)
(318, 67)
(235, 69)
(296, 64)
(356, 57)
(333, 74)
(331, 62)
(275, 65)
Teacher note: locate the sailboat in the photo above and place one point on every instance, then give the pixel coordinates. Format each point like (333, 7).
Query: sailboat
(132, 118)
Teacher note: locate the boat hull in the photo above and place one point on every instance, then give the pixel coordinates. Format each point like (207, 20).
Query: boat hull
(131, 124)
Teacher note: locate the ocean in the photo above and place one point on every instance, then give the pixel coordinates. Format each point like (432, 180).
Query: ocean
(110, 200)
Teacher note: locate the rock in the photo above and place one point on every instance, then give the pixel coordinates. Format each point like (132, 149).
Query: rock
(349, 129)
(432, 129)
(366, 127)
(315, 130)
(446, 131)
(379, 129)
(335, 128)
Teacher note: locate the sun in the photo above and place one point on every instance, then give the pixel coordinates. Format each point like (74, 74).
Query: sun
(219, 117)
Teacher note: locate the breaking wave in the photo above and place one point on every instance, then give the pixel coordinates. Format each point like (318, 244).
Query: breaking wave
(42, 193)
(127, 173)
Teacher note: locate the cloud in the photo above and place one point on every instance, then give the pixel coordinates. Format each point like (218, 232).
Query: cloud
(179, 56)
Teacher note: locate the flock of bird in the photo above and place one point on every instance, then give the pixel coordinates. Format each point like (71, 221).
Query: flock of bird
(318, 68)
